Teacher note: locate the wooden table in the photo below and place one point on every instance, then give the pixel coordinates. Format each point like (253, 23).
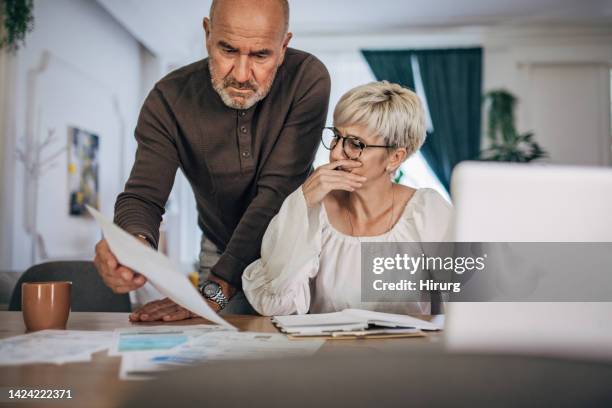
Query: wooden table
(97, 383)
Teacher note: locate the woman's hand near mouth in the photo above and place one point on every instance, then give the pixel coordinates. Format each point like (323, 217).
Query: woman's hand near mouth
(328, 178)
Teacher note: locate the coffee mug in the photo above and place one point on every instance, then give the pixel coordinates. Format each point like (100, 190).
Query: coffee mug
(45, 305)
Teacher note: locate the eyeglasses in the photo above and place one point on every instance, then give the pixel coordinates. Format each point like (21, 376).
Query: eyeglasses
(351, 145)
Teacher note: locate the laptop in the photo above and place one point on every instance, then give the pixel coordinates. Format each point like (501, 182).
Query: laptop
(497, 202)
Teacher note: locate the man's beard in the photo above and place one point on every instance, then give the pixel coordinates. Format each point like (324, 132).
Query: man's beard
(220, 85)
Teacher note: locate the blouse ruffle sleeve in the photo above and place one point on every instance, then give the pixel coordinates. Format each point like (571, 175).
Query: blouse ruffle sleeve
(279, 282)
(433, 217)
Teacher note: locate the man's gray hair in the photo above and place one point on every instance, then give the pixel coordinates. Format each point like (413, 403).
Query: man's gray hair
(387, 110)
(284, 4)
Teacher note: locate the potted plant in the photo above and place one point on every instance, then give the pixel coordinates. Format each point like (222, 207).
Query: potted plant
(506, 144)
(17, 21)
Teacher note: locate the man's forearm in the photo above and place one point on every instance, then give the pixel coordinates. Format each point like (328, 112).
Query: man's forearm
(139, 209)
(137, 217)
(145, 240)
(229, 268)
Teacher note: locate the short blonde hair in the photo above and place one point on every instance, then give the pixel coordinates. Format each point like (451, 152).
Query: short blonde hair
(386, 109)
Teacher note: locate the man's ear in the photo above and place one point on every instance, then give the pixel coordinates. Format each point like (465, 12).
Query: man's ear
(396, 158)
(206, 24)
(286, 40)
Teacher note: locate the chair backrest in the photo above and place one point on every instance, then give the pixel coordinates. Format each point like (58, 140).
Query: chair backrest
(88, 294)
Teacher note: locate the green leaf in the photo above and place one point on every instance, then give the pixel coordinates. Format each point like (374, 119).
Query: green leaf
(17, 20)
(506, 144)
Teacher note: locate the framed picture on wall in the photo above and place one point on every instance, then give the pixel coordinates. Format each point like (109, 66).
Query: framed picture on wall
(83, 170)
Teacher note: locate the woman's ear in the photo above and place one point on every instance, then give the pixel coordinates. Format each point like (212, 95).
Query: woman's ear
(396, 158)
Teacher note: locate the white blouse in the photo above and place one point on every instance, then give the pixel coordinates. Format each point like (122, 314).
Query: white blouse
(307, 265)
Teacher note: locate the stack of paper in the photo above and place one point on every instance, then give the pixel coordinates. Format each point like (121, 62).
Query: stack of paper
(221, 345)
(53, 346)
(352, 322)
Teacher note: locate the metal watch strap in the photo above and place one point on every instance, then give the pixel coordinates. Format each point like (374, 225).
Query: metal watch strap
(219, 298)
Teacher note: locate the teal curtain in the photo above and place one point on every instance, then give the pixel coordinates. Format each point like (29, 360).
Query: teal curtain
(394, 66)
(452, 82)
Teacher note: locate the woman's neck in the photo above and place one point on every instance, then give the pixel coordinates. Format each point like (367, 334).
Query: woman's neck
(369, 203)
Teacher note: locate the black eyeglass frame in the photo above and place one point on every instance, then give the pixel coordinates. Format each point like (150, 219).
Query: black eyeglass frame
(362, 145)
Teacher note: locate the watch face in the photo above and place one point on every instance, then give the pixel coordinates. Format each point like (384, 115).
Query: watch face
(211, 289)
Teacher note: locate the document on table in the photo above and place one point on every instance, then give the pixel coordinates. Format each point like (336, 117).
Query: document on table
(222, 345)
(349, 320)
(53, 346)
(157, 268)
(156, 338)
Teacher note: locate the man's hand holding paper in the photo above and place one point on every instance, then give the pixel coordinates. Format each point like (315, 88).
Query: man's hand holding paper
(158, 269)
(118, 277)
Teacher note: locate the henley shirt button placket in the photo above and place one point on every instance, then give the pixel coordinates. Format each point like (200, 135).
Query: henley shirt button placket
(245, 140)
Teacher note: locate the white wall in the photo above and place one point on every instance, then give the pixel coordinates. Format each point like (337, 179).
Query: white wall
(561, 76)
(6, 62)
(79, 68)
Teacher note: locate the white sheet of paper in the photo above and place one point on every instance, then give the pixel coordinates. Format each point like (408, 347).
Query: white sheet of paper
(221, 345)
(403, 320)
(157, 268)
(312, 330)
(318, 319)
(53, 346)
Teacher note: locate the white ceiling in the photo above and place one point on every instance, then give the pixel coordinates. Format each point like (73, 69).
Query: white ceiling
(173, 28)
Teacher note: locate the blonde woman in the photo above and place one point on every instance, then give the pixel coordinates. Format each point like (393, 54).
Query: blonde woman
(310, 254)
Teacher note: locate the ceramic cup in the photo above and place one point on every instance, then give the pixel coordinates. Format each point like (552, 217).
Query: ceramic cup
(45, 305)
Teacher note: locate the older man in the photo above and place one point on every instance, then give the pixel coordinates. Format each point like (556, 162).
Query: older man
(243, 125)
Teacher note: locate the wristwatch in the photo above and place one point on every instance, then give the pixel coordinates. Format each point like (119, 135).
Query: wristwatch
(212, 291)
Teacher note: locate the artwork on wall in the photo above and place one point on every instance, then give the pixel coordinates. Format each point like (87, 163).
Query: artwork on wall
(83, 170)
